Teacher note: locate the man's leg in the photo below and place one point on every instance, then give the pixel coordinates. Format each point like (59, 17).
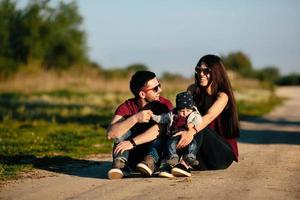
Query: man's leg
(121, 156)
(119, 159)
(152, 158)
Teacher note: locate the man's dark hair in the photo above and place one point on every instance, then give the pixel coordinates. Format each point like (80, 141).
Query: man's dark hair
(139, 80)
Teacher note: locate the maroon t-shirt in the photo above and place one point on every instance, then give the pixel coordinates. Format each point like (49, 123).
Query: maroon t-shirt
(179, 124)
(130, 107)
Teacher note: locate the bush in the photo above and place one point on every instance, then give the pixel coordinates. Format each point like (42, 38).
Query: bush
(7, 67)
(239, 62)
(291, 79)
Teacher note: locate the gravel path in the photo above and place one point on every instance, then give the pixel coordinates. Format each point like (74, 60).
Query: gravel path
(269, 168)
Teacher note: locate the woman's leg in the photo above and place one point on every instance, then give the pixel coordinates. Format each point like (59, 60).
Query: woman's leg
(213, 151)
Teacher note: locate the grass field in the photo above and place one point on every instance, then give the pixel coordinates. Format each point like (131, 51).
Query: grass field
(53, 127)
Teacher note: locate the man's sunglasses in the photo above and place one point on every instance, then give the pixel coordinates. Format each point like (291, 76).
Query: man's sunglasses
(154, 89)
(205, 70)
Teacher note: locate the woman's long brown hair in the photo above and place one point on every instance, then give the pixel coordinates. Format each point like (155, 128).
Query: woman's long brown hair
(219, 83)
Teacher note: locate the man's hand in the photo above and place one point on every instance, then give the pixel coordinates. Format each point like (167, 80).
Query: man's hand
(186, 138)
(143, 116)
(123, 146)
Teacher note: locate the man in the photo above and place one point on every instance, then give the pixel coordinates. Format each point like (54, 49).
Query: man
(134, 132)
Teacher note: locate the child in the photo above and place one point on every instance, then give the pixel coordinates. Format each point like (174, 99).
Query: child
(183, 117)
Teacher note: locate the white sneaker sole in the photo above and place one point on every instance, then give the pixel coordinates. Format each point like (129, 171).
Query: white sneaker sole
(165, 175)
(115, 174)
(180, 173)
(144, 169)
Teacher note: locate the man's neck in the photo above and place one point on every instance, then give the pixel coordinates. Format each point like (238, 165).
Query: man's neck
(142, 103)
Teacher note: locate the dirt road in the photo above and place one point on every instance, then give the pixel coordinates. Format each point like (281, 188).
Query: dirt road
(269, 168)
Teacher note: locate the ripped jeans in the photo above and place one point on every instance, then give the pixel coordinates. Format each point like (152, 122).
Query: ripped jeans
(151, 148)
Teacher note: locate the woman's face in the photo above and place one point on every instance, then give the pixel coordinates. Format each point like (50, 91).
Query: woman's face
(204, 75)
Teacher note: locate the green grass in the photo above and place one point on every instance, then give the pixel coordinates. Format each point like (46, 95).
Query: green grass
(258, 109)
(32, 128)
(49, 129)
(42, 139)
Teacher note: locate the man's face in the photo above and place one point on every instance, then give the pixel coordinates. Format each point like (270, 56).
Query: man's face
(152, 90)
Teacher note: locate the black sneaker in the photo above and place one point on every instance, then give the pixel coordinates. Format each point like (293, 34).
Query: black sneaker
(147, 166)
(116, 171)
(181, 170)
(165, 171)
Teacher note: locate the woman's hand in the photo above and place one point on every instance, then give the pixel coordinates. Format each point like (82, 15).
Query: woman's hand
(123, 146)
(186, 138)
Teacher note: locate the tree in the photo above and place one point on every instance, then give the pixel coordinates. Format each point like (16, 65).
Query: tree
(41, 32)
(8, 15)
(136, 67)
(67, 43)
(270, 74)
(291, 79)
(239, 62)
(171, 76)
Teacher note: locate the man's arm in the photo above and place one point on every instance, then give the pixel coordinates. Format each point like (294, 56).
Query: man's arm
(119, 125)
(145, 137)
(148, 135)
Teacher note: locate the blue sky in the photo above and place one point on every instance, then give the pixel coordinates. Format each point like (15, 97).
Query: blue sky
(171, 35)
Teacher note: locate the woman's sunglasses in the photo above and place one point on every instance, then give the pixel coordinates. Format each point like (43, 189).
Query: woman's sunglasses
(204, 70)
(154, 89)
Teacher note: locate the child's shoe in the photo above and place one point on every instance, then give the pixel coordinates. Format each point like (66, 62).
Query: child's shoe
(165, 171)
(181, 170)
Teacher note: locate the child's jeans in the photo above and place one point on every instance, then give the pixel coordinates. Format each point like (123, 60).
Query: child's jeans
(189, 151)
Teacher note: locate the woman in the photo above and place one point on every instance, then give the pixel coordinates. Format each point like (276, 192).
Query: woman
(216, 134)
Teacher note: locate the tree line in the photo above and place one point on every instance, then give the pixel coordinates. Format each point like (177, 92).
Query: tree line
(40, 32)
(52, 36)
(240, 62)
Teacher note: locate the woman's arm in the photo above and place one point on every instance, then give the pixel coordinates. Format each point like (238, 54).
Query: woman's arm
(214, 111)
(217, 107)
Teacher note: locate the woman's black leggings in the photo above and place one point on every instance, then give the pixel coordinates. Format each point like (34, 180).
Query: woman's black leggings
(214, 152)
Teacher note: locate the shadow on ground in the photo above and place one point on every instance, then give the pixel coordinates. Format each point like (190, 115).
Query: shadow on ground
(271, 136)
(62, 164)
(66, 165)
(261, 120)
